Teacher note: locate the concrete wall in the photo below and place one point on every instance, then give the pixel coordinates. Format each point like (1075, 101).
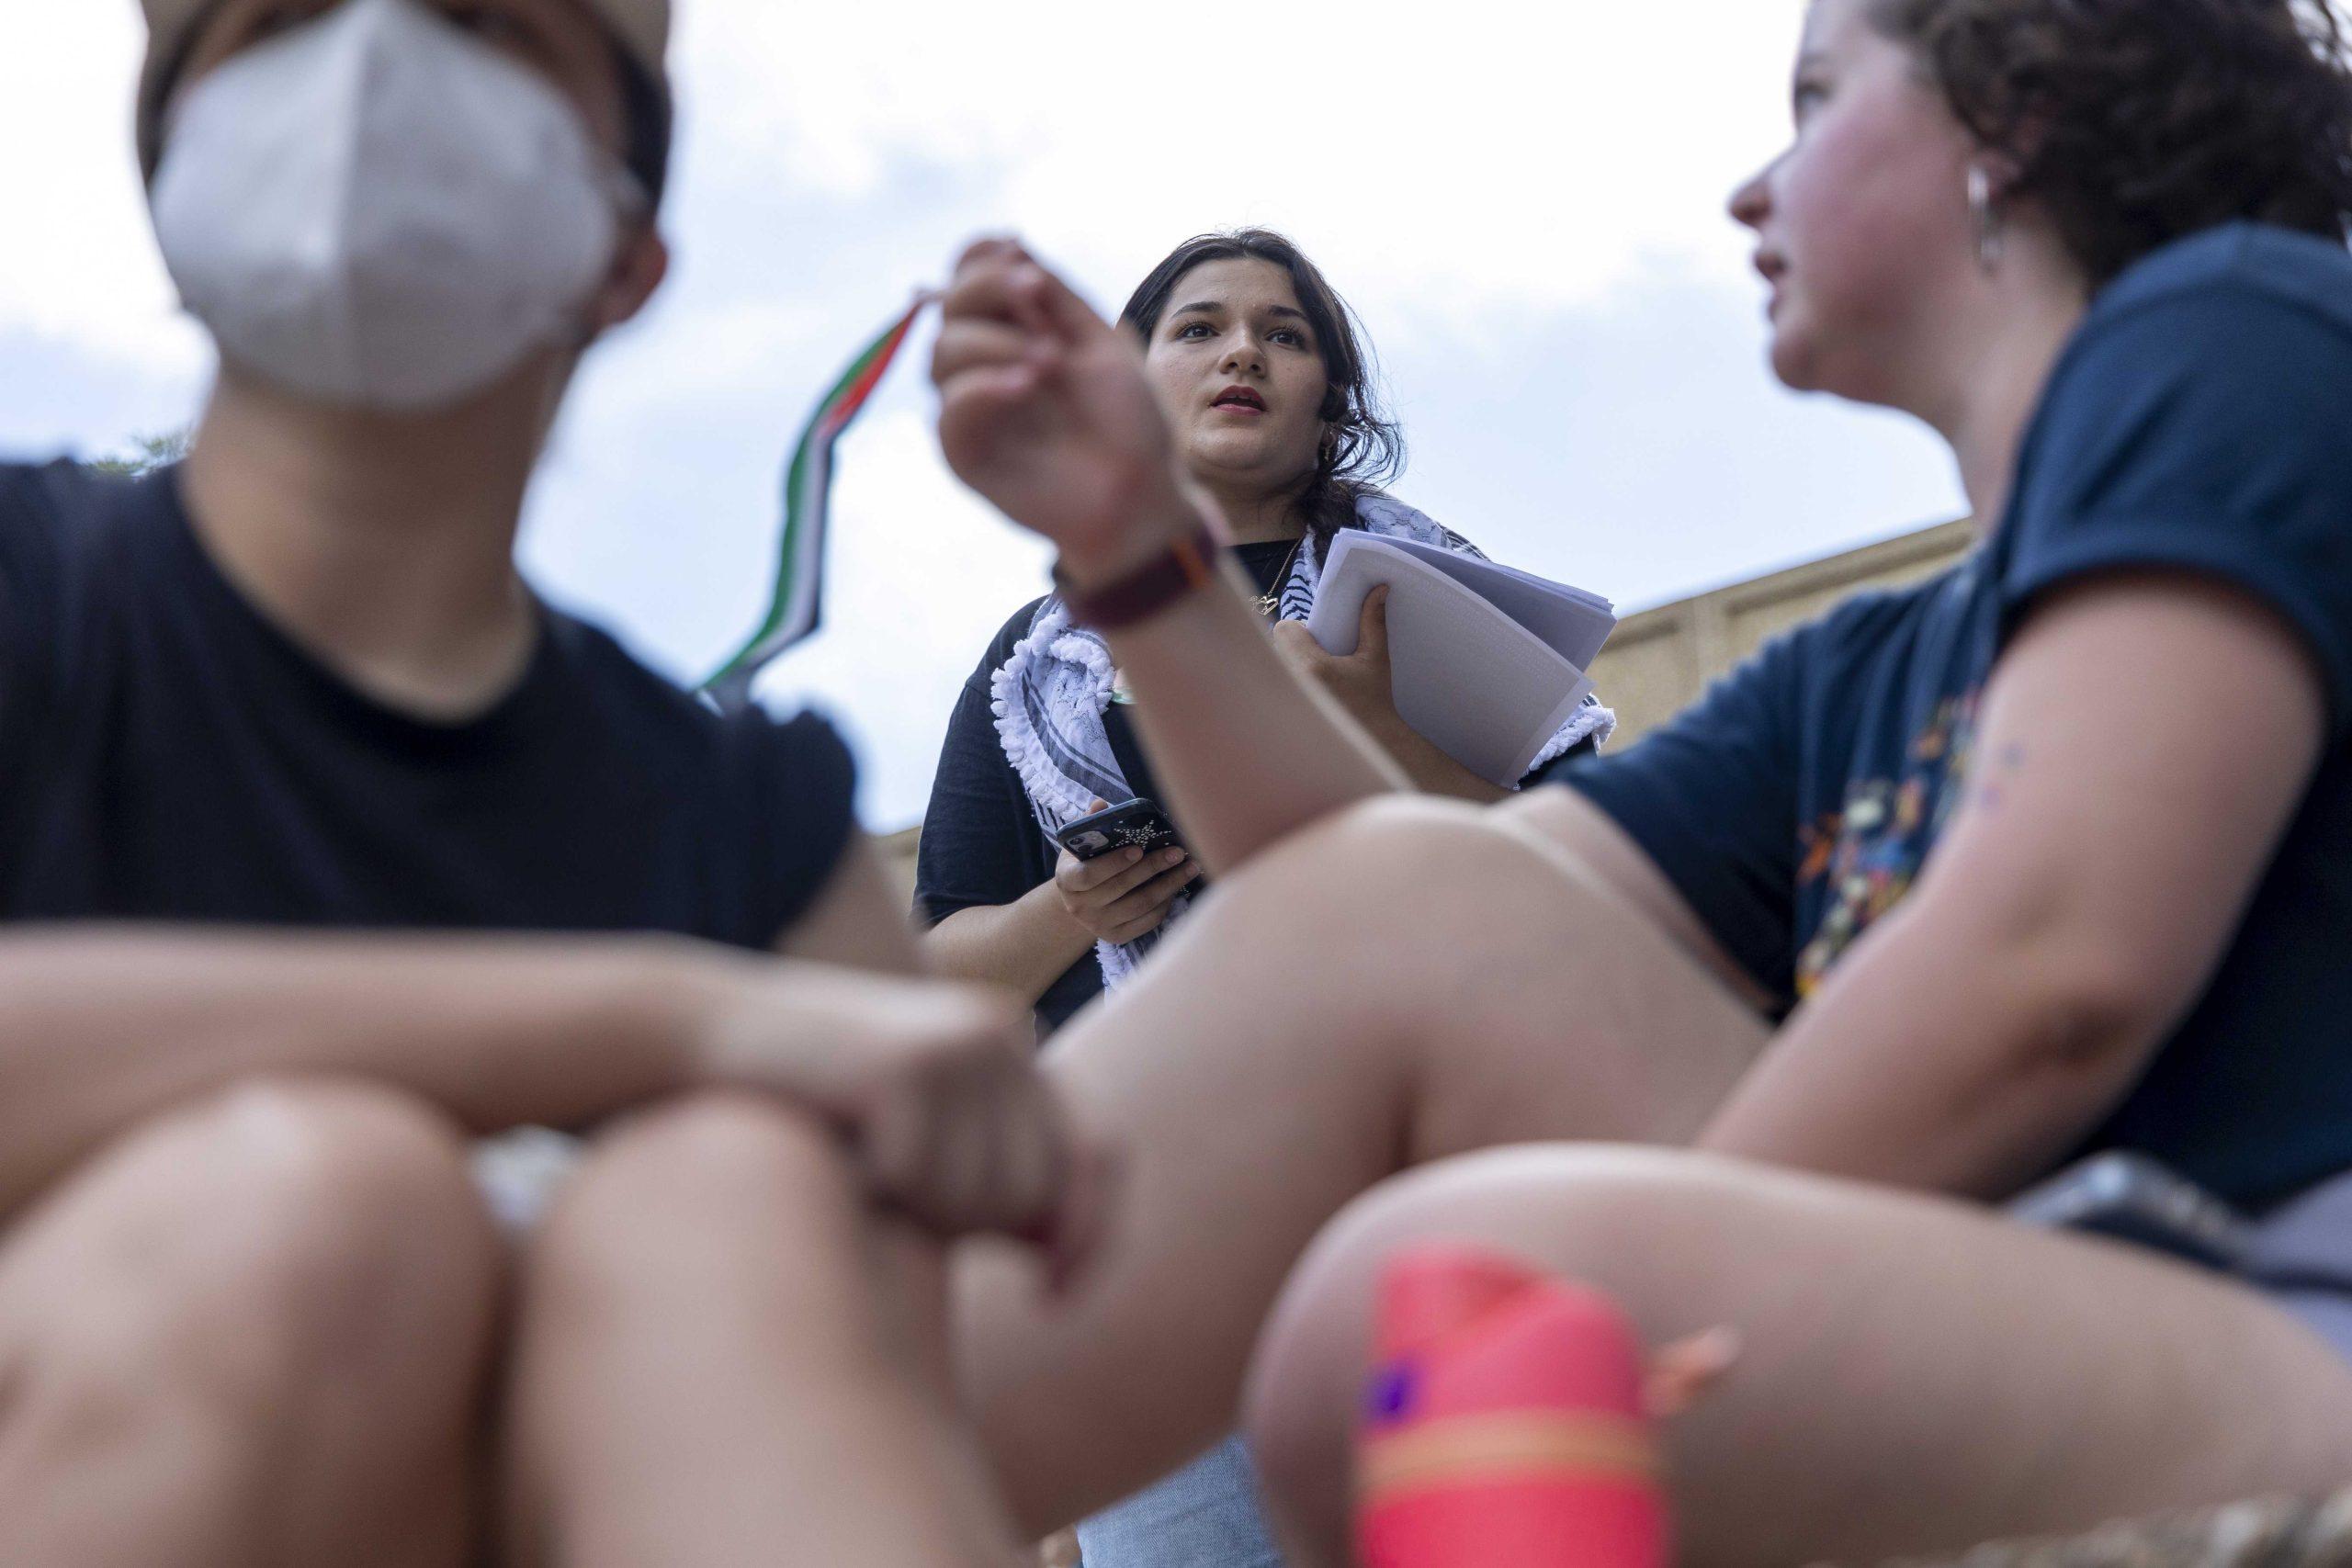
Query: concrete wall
(1660, 660)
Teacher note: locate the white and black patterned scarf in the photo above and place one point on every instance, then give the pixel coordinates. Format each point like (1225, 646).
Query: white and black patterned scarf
(1050, 695)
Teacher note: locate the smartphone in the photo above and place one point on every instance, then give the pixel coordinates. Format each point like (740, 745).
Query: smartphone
(2132, 1198)
(1135, 824)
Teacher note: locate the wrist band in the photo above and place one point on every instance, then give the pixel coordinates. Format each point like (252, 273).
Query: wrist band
(1188, 564)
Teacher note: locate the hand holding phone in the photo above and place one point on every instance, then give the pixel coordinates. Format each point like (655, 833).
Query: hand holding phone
(1120, 870)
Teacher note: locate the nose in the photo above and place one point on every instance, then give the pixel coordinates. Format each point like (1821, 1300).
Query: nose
(1751, 204)
(1242, 354)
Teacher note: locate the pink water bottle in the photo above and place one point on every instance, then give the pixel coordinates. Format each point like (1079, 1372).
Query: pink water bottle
(1504, 1425)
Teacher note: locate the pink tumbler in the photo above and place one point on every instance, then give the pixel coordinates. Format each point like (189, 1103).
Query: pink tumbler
(1504, 1425)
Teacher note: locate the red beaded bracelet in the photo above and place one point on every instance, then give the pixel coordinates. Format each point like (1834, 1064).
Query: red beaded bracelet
(1188, 564)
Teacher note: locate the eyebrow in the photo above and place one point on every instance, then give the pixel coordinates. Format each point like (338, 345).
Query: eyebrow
(1212, 308)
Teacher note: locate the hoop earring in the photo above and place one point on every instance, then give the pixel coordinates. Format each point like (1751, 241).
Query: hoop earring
(1987, 218)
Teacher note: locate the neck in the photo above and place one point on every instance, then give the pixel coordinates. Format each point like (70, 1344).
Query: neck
(1998, 373)
(384, 545)
(1256, 517)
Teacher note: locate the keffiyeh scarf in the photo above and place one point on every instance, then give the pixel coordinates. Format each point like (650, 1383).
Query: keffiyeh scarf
(1050, 695)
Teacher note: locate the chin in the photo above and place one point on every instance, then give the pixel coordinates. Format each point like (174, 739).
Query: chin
(1229, 452)
(1793, 356)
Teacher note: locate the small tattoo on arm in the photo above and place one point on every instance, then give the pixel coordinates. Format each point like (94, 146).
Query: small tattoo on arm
(1987, 795)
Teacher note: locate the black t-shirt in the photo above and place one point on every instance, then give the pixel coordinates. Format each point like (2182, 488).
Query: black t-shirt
(2201, 420)
(981, 844)
(170, 754)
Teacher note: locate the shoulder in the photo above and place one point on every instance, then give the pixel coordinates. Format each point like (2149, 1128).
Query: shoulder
(46, 507)
(2194, 426)
(1008, 638)
(2257, 260)
(2223, 304)
(655, 716)
(772, 799)
(56, 521)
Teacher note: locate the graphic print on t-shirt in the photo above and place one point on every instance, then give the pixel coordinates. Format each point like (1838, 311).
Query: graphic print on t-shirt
(1868, 854)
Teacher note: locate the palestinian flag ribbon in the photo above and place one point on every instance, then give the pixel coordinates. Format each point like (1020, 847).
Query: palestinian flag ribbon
(797, 607)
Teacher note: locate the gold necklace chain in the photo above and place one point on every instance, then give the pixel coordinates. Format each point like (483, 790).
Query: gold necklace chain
(1271, 603)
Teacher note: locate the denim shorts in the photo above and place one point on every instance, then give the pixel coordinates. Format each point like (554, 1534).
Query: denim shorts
(2300, 1257)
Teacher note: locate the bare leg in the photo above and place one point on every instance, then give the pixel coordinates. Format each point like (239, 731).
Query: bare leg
(720, 1361)
(1410, 982)
(1917, 1374)
(251, 1334)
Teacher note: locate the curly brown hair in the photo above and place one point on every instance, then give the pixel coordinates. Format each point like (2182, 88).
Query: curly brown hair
(2136, 122)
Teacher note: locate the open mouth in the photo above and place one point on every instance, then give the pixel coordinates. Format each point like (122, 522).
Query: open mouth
(1240, 398)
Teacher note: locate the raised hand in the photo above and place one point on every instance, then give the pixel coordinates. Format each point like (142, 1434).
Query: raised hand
(1044, 409)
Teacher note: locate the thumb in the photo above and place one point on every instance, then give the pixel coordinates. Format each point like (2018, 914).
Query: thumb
(1098, 805)
(1372, 631)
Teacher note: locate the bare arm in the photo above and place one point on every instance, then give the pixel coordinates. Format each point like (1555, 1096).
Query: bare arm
(1027, 944)
(2073, 911)
(1045, 410)
(1024, 946)
(932, 1084)
(100, 1029)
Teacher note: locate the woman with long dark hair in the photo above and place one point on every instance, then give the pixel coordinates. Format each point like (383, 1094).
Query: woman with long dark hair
(1268, 385)
(2048, 857)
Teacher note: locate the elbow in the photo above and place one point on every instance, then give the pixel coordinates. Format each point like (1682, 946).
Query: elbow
(2089, 1012)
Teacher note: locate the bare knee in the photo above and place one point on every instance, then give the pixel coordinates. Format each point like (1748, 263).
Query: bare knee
(713, 1182)
(283, 1258)
(1393, 844)
(329, 1229)
(1414, 883)
(1627, 1221)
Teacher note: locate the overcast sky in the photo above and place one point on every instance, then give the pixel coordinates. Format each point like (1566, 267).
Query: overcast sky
(1527, 213)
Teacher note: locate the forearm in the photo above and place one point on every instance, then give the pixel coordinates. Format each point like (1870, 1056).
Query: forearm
(1247, 751)
(1428, 769)
(1964, 1068)
(1024, 946)
(100, 1030)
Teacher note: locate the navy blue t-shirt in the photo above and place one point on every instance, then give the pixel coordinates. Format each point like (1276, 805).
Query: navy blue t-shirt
(2199, 420)
(166, 753)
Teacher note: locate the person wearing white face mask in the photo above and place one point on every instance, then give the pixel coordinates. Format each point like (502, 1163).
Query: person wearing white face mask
(295, 691)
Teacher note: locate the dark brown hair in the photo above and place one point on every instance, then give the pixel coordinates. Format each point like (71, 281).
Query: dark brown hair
(1362, 447)
(2136, 122)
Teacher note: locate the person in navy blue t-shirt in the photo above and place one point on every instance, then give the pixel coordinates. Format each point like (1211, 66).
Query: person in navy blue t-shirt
(2048, 856)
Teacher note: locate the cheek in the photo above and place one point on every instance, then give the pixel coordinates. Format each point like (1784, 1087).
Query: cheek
(1303, 388)
(1870, 222)
(1173, 382)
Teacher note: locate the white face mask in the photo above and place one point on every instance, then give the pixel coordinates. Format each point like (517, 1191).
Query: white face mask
(377, 212)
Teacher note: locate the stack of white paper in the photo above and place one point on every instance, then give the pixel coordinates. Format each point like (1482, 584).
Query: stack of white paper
(1488, 663)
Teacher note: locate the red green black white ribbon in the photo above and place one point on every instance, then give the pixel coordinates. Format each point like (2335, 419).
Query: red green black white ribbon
(797, 607)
